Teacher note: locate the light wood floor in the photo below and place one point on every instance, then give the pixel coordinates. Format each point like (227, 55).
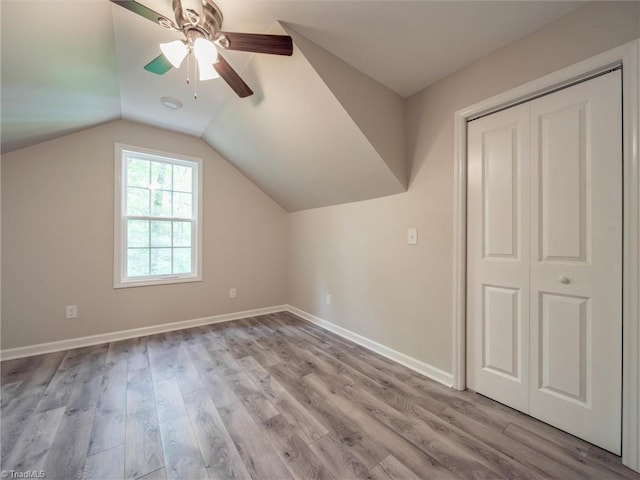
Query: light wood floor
(267, 398)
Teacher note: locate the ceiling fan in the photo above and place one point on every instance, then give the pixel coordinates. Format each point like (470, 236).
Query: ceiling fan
(202, 36)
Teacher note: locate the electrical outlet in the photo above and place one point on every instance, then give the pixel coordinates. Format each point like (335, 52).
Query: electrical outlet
(329, 299)
(72, 311)
(232, 293)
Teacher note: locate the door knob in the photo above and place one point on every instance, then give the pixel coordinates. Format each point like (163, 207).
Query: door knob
(564, 280)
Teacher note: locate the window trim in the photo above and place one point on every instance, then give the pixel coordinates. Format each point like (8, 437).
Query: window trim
(119, 278)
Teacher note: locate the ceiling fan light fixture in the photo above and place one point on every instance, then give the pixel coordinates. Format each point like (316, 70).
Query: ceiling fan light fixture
(175, 52)
(206, 54)
(206, 71)
(205, 50)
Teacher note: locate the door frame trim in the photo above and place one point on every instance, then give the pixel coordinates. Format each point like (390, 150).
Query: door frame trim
(627, 55)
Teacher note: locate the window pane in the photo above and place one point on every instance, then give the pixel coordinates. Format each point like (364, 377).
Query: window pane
(182, 178)
(138, 173)
(160, 261)
(160, 234)
(182, 234)
(160, 203)
(182, 207)
(137, 233)
(137, 201)
(161, 176)
(181, 260)
(137, 262)
(157, 221)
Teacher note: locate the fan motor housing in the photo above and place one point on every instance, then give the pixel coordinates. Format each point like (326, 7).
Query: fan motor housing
(192, 32)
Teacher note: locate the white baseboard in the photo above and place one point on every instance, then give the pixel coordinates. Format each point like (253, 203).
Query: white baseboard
(29, 350)
(409, 362)
(416, 365)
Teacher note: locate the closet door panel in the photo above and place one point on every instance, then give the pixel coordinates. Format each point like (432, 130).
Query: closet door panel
(498, 257)
(576, 260)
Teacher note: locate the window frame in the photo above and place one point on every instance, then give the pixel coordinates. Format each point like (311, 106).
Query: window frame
(120, 280)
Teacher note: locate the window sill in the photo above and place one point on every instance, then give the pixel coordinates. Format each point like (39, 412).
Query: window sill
(148, 282)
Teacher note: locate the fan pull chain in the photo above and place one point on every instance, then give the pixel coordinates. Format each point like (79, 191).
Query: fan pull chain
(195, 83)
(188, 63)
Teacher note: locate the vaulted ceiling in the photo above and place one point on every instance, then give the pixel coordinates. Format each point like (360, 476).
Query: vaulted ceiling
(323, 127)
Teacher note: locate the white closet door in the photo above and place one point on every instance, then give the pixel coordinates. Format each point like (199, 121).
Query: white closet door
(576, 260)
(544, 259)
(498, 257)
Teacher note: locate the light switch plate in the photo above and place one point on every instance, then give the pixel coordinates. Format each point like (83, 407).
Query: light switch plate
(412, 236)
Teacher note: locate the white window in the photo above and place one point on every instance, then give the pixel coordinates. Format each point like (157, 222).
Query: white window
(158, 212)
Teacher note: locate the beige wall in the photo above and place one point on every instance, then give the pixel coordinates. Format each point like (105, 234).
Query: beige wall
(401, 295)
(57, 240)
(376, 110)
(57, 221)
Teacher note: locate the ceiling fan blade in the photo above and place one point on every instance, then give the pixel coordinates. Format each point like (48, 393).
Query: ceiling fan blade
(147, 13)
(256, 42)
(159, 65)
(231, 77)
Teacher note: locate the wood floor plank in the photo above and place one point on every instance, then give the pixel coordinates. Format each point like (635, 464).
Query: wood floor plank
(162, 358)
(36, 374)
(105, 465)
(251, 397)
(79, 365)
(575, 448)
(9, 391)
(143, 445)
(109, 423)
(17, 410)
(392, 469)
(340, 461)
(221, 457)
(258, 455)
(59, 388)
(341, 424)
(233, 345)
(91, 360)
(68, 454)
(293, 451)
(359, 366)
(37, 370)
(30, 450)
(81, 407)
(266, 398)
(219, 389)
(214, 374)
(436, 463)
(160, 474)
(255, 344)
(186, 373)
(307, 426)
(530, 458)
(200, 356)
(16, 369)
(225, 361)
(181, 451)
(428, 431)
(212, 340)
(137, 357)
(559, 454)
